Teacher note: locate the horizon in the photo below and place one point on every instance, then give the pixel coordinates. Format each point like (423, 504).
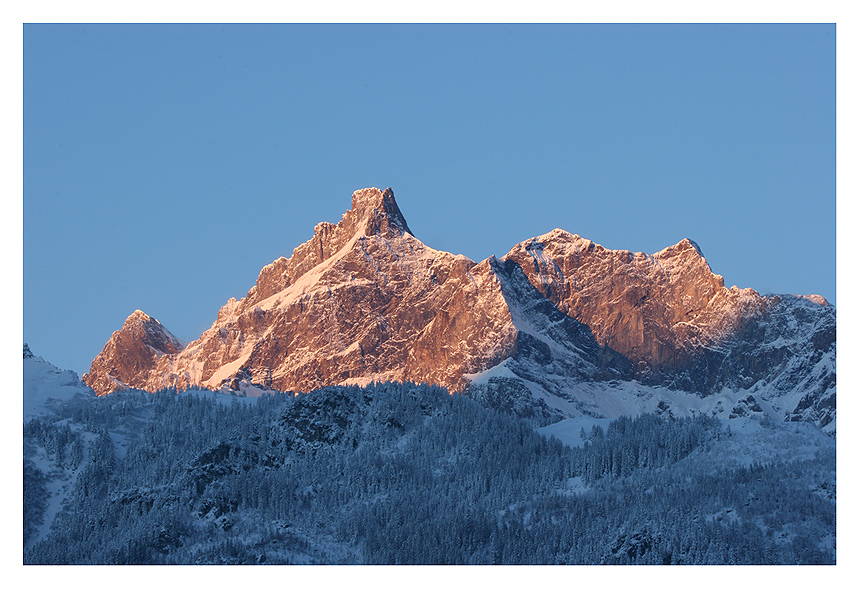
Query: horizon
(165, 165)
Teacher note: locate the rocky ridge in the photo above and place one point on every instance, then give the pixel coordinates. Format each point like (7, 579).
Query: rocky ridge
(559, 318)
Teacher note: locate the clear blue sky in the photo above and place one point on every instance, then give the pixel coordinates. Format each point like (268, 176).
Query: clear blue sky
(165, 165)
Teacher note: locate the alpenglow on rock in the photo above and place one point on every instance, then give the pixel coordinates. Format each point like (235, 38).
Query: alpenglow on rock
(560, 324)
(131, 354)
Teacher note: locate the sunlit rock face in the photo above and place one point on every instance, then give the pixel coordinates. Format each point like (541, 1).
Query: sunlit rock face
(674, 319)
(364, 300)
(131, 354)
(655, 309)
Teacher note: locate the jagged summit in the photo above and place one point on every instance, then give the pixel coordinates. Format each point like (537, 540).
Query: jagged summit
(374, 213)
(137, 316)
(692, 243)
(685, 246)
(380, 210)
(584, 244)
(152, 332)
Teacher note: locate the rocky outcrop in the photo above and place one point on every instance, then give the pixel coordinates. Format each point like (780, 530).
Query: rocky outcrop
(364, 300)
(131, 354)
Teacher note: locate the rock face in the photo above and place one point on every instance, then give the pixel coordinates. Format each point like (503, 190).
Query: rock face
(557, 316)
(658, 310)
(131, 354)
(681, 328)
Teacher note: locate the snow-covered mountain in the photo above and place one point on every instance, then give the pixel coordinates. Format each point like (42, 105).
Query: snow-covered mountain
(46, 385)
(559, 327)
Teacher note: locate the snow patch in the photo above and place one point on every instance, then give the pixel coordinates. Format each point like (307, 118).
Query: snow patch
(569, 431)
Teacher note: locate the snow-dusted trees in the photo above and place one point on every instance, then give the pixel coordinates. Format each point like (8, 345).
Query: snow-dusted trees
(35, 499)
(647, 441)
(406, 473)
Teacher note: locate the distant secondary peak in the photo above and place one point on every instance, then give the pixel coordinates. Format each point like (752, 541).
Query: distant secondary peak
(685, 246)
(817, 299)
(152, 332)
(27, 352)
(380, 209)
(555, 235)
(131, 353)
(690, 243)
(137, 317)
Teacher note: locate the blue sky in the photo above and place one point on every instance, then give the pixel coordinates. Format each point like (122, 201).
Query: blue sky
(164, 165)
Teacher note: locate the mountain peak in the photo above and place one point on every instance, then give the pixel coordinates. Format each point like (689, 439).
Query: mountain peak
(684, 247)
(135, 348)
(379, 208)
(374, 212)
(369, 198)
(152, 332)
(689, 243)
(136, 317)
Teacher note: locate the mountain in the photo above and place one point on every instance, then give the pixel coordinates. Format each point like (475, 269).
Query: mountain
(131, 354)
(682, 329)
(45, 385)
(559, 327)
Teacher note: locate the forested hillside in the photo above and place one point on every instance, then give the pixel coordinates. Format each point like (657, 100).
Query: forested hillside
(407, 474)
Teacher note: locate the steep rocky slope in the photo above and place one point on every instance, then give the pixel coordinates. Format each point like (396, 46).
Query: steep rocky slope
(559, 326)
(131, 354)
(682, 329)
(362, 300)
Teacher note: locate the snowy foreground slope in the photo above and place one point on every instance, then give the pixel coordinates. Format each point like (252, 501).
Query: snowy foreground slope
(46, 385)
(406, 473)
(559, 327)
(49, 392)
